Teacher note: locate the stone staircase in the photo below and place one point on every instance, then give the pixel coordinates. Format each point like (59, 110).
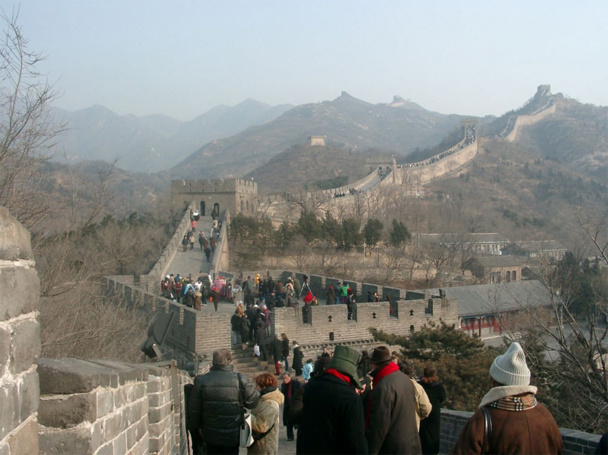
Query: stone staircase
(246, 363)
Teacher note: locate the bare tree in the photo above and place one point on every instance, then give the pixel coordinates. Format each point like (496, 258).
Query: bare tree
(27, 129)
(568, 347)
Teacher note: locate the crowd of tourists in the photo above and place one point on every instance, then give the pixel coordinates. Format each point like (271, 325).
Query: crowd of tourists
(207, 243)
(364, 403)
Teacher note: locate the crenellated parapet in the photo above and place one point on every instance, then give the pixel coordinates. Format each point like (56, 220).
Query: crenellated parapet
(237, 195)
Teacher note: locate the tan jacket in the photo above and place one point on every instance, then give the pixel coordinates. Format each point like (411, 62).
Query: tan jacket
(263, 416)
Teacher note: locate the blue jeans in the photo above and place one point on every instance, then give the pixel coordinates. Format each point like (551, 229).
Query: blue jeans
(286, 360)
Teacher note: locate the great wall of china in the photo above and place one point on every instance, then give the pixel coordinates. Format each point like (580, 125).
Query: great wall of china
(107, 407)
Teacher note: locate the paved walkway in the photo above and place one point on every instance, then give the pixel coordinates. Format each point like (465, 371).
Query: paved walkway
(192, 262)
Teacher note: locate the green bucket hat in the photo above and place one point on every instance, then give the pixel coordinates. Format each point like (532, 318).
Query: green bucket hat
(345, 360)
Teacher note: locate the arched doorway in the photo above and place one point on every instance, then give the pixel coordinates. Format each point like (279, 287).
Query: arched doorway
(202, 210)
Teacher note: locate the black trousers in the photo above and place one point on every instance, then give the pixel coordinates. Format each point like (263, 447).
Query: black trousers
(212, 450)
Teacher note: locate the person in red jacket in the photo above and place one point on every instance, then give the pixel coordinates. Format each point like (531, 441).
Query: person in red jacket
(519, 423)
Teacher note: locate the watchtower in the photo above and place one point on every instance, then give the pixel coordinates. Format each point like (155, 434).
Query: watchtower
(213, 195)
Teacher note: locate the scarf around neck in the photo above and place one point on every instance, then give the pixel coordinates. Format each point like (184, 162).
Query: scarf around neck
(378, 375)
(511, 397)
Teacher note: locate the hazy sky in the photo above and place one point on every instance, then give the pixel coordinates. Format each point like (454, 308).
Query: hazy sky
(181, 58)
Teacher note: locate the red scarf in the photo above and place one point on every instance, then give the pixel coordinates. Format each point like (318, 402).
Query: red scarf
(339, 375)
(385, 371)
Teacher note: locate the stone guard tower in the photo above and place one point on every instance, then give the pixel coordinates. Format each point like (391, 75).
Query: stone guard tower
(237, 195)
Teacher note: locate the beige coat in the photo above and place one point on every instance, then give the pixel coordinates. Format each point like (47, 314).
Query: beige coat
(263, 416)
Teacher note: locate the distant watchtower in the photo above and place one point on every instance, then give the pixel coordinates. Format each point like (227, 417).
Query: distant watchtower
(317, 140)
(237, 195)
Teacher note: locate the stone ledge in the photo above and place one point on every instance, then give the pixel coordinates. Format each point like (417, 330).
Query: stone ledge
(68, 376)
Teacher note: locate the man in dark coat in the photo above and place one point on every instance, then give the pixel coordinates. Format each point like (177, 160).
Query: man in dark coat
(216, 405)
(298, 356)
(261, 340)
(333, 419)
(289, 388)
(391, 408)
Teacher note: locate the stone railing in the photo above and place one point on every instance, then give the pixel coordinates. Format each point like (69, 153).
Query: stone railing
(452, 422)
(111, 407)
(160, 267)
(221, 258)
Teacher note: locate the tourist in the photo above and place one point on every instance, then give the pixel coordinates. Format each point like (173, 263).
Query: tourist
(307, 370)
(265, 416)
(185, 242)
(215, 407)
(298, 356)
(285, 351)
(333, 419)
(520, 424)
(430, 428)
(331, 295)
(391, 408)
(423, 404)
(289, 388)
(276, 348)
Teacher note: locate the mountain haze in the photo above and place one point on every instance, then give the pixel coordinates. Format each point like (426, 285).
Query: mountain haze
(155, 142)
(346, 122)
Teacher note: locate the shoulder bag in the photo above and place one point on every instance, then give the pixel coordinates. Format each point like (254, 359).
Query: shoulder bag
(487, 430)
(246, 432)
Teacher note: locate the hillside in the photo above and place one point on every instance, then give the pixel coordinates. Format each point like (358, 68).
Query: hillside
(531, 188)
(151, 143)
(306, 168)
(349, 123)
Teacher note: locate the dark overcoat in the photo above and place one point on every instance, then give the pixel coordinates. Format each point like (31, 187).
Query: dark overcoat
(392, 416)
(430, 428)
(332, 418)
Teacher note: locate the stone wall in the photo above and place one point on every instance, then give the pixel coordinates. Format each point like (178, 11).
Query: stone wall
(192, 332)
(526, 120)
(452, 422)
(19, 340)
(331, 321)
(175, 243)
(420, 175)
(221, 258)
(105, 407)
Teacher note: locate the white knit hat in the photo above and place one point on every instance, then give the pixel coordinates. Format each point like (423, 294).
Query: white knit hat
(510, 368)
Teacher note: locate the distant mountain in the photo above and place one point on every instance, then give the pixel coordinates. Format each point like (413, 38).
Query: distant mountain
(151, 143)
(346, 122)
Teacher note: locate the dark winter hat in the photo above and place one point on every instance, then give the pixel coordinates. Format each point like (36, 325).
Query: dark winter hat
(345, 360)
(510, 368)
(381, 354)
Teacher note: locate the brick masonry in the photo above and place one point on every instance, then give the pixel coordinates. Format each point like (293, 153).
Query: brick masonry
(19, 339)
(96, 407)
